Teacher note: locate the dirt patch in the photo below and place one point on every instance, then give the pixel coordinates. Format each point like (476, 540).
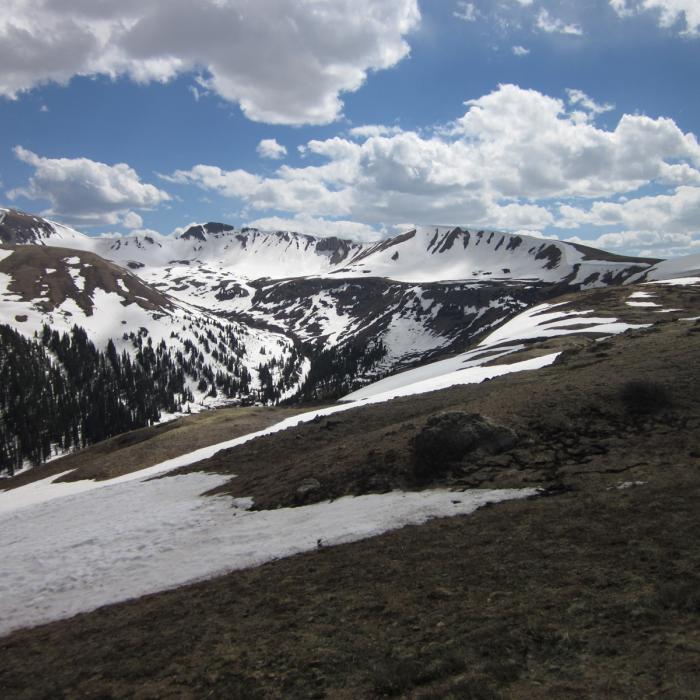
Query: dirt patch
(41, 274)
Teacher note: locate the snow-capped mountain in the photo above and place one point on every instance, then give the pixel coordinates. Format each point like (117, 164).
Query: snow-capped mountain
(356, 311)
(63, 287)
(20, 228)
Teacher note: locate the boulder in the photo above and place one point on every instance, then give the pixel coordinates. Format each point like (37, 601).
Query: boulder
(448, 438)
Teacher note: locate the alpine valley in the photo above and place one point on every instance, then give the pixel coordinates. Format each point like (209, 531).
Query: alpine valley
(135, 329)
(452, 464)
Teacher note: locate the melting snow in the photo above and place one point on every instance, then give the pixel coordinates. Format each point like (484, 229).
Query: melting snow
(141, 537)
(78, 278)
(679, 281)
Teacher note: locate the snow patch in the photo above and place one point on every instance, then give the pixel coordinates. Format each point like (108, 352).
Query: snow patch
(678, 282)
(411, 383)
(142, 537)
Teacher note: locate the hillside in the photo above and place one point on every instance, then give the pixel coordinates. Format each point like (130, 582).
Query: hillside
(588, 590)
(247, 316)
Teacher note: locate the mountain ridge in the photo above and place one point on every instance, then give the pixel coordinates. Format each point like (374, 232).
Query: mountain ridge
(290, 315)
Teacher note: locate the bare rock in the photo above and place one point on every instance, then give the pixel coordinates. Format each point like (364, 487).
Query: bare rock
(448, 438)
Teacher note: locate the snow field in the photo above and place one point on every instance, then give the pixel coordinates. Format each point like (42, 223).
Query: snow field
(79, 552)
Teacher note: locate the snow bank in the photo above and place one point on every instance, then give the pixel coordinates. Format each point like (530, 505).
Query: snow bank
(542, 321)
(422, 379)
(683, 267)
(678, 281)
(77, 553)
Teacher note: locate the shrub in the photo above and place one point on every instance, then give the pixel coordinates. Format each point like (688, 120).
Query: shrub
(643, 397)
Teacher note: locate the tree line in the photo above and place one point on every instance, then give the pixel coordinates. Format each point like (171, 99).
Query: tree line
(58, 392)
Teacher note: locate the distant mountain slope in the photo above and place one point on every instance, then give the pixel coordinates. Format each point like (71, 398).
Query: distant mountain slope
(63, 287)
(431, 254)
(20, 228)
(360, 310)
(425, 254)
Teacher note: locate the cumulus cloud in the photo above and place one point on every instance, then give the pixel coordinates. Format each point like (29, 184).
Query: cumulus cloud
(132, 220)
(367, 130)
(503, 164)
(520, 51)
(645, 243)
(314, 226)
(269, 148)
(670, 13)
(314, 51)
(553, 25)
(83, 191)
(678, 212)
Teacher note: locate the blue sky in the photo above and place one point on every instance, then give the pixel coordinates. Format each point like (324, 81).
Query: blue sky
(574, 119)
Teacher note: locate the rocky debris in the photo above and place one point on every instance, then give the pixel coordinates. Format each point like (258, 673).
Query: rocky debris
(448, 438)
(305, 488)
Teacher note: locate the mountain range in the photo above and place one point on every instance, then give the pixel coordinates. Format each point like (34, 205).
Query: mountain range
(501, 503)
(267, 316)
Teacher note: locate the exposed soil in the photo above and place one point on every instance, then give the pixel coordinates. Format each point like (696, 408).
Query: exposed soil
(589, 591)
(589, 594)
(41, 274)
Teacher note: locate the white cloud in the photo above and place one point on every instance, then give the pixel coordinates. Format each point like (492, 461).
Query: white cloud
(525, 3)
(520, 51)
(580, 98)
(503, 164)
(466, 11)
(132, 220)
(669, 12)
(302, 223)
(678, 212)
(554, 25)
(269, 148)
(88, 192)
(364, 132)
(313, 51)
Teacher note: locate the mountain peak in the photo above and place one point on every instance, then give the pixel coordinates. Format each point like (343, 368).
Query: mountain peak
(19, 228)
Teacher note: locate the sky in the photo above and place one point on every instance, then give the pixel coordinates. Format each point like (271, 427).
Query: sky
(574, 119)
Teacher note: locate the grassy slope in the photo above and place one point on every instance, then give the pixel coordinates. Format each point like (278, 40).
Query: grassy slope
(591, 592)
(145, 447)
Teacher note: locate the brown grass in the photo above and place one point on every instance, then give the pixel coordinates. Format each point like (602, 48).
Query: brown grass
(145, 447)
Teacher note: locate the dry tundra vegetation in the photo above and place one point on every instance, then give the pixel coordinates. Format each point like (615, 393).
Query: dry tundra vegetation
(590, 590)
